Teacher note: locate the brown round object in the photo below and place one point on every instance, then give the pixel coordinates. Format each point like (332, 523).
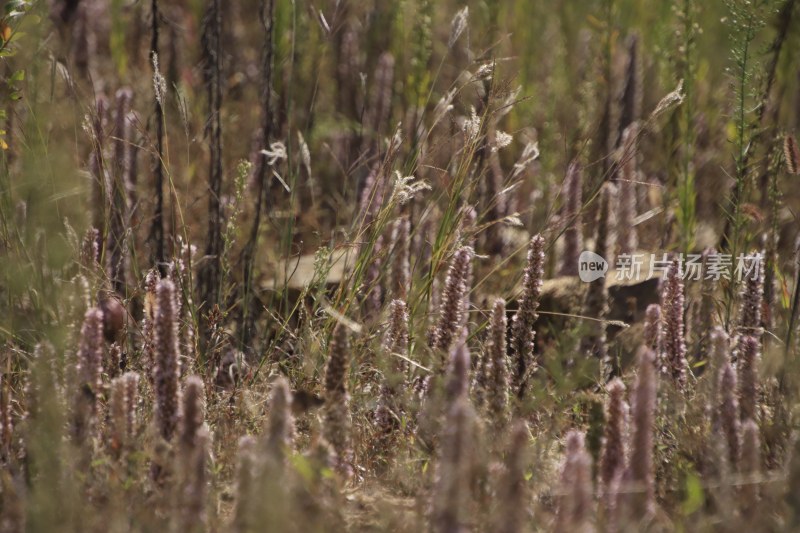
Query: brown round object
(113, 318)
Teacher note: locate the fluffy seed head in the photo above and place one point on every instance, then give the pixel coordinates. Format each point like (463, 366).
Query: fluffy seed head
(458, 25)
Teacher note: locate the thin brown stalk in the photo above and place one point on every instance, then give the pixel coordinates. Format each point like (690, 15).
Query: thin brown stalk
(209, 276)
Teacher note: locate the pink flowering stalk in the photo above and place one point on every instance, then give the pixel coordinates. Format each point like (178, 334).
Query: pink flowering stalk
(672, 326)
(396, 339)
(643, 407)
(575, 504)
(279, 434)
(452, 485)
(391, 404)
(719, 357)
(166, 357)
(750, 466)
(244, 512)
(148, 321)
(192, 511)
(336, 411)
(652, 327)
(192, 451)
(729, 413)
(512, 509)
(496, 366)
(89, 375)
(703, 310)
(192, 415)
(749, 357)
(522, 333)
(752, 295)
(124, 399)
(613, 456)
(178, 273)
(451, 310)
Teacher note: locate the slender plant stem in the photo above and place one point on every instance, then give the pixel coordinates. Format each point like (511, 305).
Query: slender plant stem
(157, 229)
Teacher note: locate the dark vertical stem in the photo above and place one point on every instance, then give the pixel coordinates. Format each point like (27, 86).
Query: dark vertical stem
(267, 16)
(606, 122)
(117, 209)
(157, 229)
(98, 172)
(209, 275)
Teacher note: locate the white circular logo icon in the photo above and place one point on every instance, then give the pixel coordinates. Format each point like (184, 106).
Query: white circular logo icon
(591, 266)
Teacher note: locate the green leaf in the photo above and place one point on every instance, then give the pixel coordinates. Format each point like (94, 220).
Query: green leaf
(13, 5)
(695, 497)
(17, 76)
(16, 36)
